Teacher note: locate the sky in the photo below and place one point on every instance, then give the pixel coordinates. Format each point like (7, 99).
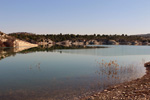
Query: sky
(75, 16)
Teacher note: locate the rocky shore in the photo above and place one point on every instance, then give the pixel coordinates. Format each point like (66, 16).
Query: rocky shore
(138, 89)
(8, 41)
(91, 42)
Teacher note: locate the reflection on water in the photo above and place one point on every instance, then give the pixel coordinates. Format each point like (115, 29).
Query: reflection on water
(6, 52)
(117, 50)
(66, 73)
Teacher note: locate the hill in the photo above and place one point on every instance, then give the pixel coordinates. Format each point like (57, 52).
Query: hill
(144, 35)
(5, 40)
(72, 39)
(10, 41)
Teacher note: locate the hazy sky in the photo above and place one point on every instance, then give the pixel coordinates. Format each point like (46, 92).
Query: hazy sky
(75, 16)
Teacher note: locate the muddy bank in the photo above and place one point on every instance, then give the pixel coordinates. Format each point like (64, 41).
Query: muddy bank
(138, 89)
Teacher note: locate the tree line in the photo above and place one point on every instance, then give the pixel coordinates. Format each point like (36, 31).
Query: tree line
(35, 38)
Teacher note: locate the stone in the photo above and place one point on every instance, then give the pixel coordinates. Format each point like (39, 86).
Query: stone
(147, 64)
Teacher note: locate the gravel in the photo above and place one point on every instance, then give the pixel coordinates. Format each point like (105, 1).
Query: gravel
(138, 89)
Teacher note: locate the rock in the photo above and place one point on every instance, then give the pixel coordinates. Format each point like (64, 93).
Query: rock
(112, 42)
(76, 43)
(105, 90)
(147, 64)
(20, 43)
(92, 97)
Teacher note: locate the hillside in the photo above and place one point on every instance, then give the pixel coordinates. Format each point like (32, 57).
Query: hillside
(72, 39)
(5, 40)
(9, 41)
(144, 35)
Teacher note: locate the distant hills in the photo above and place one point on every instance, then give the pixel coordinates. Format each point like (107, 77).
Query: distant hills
(22, 33)
(73, 39)
(142, 35)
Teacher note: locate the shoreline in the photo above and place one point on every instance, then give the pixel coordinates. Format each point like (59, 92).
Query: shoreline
(138, 89)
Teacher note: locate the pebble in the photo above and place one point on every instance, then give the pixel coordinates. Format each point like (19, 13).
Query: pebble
(92, 98)
(135, 90)
(105, 90)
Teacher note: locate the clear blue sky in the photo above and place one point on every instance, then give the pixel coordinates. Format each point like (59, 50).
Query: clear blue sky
(75, 16)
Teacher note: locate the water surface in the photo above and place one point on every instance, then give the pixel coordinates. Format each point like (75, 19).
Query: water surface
(57, 74)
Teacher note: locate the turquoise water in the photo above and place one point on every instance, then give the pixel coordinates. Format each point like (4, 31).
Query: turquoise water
(69, 73)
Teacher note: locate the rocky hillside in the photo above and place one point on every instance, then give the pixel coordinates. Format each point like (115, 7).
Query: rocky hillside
(6, 41)
(72, 39)
(9, 41)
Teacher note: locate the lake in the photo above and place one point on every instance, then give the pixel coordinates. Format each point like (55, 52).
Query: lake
(66, 73)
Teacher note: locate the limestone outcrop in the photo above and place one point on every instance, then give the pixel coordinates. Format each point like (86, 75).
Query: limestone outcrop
(8, 41)
(20, 43)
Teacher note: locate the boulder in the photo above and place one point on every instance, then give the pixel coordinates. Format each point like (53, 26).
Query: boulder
(147, 64)
(112, 42)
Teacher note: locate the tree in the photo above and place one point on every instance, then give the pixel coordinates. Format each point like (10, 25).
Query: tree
(122, 35)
